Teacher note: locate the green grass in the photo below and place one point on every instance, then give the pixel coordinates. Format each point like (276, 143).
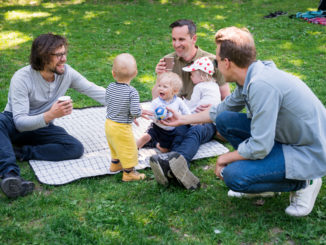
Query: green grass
(104, 210)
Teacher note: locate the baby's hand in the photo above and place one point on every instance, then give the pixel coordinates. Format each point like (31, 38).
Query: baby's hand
(146, 113)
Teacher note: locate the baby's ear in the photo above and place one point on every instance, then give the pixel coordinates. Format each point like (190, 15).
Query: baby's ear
(113, 74)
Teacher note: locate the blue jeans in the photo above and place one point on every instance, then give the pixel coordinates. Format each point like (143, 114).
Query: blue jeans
(188, 139)
(50, 143)
(253, 176)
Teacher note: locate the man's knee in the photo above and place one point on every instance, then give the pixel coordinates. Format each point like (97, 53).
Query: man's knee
(234, 179)
(5, 123)
(181, 130)
(202, 131)
(76, 149)
(194, 130)
(223, 119)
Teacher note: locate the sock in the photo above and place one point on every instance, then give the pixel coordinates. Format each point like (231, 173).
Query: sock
(128, 171)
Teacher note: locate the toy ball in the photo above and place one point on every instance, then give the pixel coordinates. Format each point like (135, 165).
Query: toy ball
(161, 113)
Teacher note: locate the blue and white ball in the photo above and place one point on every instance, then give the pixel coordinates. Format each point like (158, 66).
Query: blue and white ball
(160, 113)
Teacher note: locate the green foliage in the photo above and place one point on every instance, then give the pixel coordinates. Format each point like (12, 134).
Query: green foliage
(105, 210)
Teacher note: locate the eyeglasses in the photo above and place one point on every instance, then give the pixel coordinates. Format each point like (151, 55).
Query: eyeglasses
(60, 55)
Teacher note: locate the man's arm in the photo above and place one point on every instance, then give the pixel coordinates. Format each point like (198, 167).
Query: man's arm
(20, 101)
(26, 122)
(264, 101)
(82, 85)
(233, 103)
(177, 119)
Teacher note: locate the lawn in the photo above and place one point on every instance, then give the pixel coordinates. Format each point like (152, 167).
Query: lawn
(104, 210)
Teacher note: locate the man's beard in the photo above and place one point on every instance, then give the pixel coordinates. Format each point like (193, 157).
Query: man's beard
(55, 70)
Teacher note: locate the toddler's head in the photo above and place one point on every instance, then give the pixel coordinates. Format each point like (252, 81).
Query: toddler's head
(202, 70)
(124, 68)
(168, 85)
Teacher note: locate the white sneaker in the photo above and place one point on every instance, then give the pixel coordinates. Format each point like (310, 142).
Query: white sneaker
(251, 195)
(303, 201)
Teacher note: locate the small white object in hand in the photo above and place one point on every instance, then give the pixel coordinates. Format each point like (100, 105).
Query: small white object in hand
(64, 98)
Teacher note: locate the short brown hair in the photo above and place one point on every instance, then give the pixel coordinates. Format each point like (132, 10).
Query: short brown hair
(237, 44)
(124, 67)
(42, 48)
(183, 22)
(172, 78)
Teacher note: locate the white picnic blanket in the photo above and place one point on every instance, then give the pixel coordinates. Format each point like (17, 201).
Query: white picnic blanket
(87, 125)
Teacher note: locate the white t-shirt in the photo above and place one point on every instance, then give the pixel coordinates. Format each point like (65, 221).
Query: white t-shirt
(204, 93)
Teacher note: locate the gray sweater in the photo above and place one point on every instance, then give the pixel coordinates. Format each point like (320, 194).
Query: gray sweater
(30, 95)
(282, 108)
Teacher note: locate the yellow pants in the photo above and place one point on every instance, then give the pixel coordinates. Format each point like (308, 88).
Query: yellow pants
(122, 143)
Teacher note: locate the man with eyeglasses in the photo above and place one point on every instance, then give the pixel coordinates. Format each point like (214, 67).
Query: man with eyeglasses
(26, 124)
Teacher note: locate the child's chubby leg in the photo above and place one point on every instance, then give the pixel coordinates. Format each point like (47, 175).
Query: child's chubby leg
(127, 153)
(110, 127)
(115, 162)
(143, 140)
(162, 149)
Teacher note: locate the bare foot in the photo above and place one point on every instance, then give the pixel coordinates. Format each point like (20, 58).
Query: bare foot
(162, 149)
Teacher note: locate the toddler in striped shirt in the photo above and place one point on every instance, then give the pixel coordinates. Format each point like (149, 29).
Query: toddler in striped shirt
(122, 108)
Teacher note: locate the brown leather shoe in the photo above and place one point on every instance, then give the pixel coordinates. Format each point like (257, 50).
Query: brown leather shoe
(132, 176)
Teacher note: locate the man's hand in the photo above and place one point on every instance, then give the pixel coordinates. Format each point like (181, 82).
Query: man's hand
(218, 170)
(202, 108)
(174, 120)
(221, 162)
(160, 67)
(58, 109)
(226, 159)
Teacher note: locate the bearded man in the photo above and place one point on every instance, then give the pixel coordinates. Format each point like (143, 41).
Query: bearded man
(26, 124)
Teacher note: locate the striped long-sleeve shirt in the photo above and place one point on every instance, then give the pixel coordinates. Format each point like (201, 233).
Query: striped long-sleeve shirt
(122, 102)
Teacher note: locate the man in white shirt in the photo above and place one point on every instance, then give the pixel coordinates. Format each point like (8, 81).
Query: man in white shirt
(26, 124)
